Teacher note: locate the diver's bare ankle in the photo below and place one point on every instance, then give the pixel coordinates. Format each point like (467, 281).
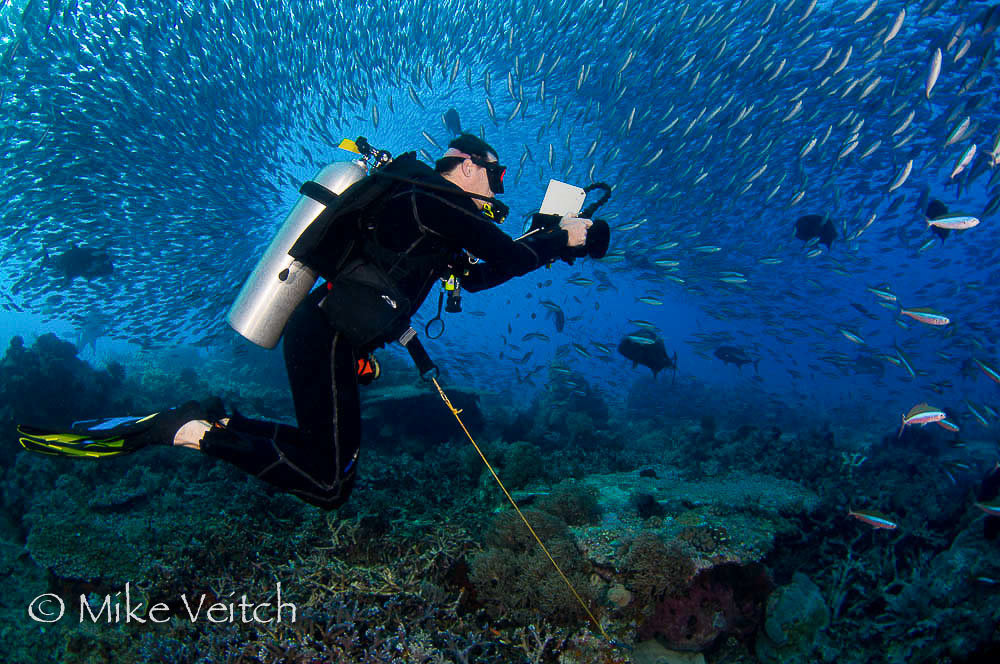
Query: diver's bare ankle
(190, 434)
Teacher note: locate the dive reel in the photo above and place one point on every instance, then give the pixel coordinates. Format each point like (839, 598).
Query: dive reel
(449, 297)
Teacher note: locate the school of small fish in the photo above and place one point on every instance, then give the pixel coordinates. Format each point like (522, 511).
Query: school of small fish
(171, 138)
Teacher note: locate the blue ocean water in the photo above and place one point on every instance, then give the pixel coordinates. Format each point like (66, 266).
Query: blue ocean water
(170, 140)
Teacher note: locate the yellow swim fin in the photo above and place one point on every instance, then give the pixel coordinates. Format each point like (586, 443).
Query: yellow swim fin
(114, 436)
(92, 438)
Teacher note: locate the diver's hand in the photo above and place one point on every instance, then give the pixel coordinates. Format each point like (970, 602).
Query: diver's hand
(576, 228)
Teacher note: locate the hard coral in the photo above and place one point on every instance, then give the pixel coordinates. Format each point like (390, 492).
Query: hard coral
(514, 579)
(706, 540)
(579, 426)
(519, 464)
(48, 385)
(573, 503)
(647, 506)
(508, 530)
(651, 569)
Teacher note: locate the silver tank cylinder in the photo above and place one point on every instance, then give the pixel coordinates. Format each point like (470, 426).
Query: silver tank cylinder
(279, 282)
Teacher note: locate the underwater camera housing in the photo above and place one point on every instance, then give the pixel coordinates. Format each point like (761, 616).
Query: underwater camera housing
(598, 235)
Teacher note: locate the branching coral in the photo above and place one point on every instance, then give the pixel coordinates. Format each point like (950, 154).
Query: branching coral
(573, 503)
(651, 568)
(706, 540)
(514, 579)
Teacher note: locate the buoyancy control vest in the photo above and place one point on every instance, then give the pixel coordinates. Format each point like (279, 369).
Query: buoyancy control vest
(365, 302)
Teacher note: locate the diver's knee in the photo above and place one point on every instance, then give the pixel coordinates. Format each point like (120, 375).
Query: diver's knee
(329, 499)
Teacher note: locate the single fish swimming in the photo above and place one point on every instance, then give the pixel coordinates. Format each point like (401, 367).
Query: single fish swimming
(646, 348)
(737, 356)
(815, 226)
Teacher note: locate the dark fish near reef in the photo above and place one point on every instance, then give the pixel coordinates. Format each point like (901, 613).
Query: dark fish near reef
(737, 356)
(556, 313)
(815, 226)
(85, 262)
(645, 348)
(936, 209)
(452, 122)
(559, 317)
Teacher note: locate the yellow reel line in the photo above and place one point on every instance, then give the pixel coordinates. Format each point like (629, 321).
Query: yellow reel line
(455, 412)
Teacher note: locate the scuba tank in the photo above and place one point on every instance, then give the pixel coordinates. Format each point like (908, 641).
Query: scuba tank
(279, 282)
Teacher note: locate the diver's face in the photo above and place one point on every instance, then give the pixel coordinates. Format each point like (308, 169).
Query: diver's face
(477, 179)
(494, 172)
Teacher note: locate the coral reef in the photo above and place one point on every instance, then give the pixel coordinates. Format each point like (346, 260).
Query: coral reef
(569, 411)
(689, 575)
(732, 519)
(663, 525)
(514, 580)
(572, 502)
(654, 652)
(651, 569)
(518, 464)
(953, 593)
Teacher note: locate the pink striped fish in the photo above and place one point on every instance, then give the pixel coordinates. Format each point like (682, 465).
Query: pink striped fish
(873, 519)
(954, 222)
(926, 315)
(921, 414)
(992, 508)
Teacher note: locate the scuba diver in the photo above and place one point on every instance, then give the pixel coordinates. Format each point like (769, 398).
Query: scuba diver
(381, 246)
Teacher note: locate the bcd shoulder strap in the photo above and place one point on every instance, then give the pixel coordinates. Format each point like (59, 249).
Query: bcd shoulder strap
(324, 244)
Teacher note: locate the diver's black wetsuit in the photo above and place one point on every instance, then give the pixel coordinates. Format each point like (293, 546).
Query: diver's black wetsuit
(421, 232)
